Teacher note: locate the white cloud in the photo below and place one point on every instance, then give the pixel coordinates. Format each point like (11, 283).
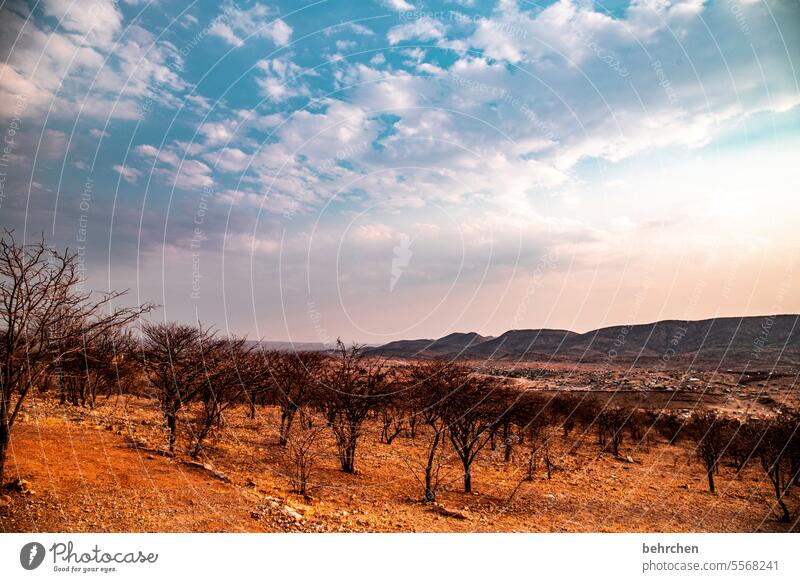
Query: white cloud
(76, 68)
(217, 133)
(130, 175)
(279, 32)
(280, 79)
(573, 29)
(398, 5)
(424, 28)
(98, 21)
(19, 97)
(234, 25)
(228, 159)
(176, 170)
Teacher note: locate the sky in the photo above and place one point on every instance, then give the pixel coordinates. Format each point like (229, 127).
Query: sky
(393, 169)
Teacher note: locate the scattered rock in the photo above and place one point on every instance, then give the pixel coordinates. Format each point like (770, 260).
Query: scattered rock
(454, 513)
(20, 486)
(205, 466)
(291, 513)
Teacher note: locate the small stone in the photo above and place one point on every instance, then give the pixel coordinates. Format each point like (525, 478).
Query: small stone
(292, 513)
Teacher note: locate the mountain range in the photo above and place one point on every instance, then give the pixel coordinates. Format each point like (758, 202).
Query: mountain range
(763, 342)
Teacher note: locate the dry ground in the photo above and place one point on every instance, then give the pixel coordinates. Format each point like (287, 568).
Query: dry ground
(86, 477)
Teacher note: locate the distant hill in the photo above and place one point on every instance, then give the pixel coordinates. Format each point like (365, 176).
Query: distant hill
(761, 342)
(449, 345)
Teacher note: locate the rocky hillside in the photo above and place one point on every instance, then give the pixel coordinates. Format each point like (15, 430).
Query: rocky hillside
(759, 342)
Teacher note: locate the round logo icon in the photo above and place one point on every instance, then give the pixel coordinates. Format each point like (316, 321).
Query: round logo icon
(31, 555)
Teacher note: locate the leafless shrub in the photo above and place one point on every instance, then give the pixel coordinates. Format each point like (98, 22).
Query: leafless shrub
(45, 318)
(471, 414)
(778, 449)
(393, 419)
(295, 378)
(301, 456)
(712, 433)
(170, 354)
(611, 423)
(355, 386)
(430, 386)
(226, 373)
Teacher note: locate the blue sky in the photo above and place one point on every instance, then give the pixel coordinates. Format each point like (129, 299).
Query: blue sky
(391, 169)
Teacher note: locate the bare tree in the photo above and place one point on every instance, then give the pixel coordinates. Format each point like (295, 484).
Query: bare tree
(393, 419)
(536, 416)
(226, 374)
(95, 366)
(669, 425)
(295, 377)
(45, 317)
(710, 431)
(260, 388)
(472, 413)
(302, 453)
(778, 448)
(431, 385)
(355, 387)
(611, 423)
(171, 356)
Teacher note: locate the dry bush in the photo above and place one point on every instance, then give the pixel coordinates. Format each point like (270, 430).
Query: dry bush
(355, 387)
(712, 434)
(778, 449)
(430, 385)
(294, 379)
(301, 456)
(45, 319)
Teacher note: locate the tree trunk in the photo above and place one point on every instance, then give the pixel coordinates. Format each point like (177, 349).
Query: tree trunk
(531, 464)
(430, 493)
(349, 466)
(387, 422)
(507, 441)
(711, 478)
(286, 425)
(775, 477)
(467, 479)
(549, 464)
(5, 437)
(171, 421)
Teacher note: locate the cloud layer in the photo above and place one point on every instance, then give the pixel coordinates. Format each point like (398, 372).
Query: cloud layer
(487, 142)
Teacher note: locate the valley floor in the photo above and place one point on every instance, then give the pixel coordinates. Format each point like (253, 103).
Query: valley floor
(100, 471)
